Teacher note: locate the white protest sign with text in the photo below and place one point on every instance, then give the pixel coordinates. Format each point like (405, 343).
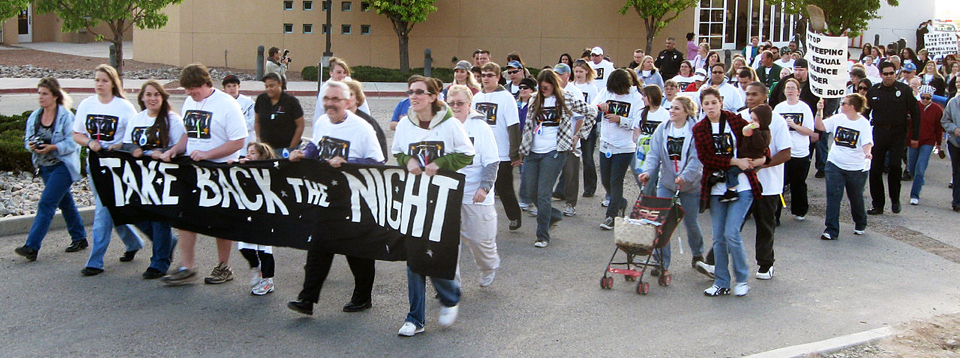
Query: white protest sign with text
(827, 57)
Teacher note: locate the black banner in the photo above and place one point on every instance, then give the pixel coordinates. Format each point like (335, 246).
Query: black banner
(377, 212)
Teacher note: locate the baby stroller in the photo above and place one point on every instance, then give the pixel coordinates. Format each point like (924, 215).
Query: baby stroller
(649, 227)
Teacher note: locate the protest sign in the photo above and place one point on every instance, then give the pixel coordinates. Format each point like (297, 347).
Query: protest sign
(939, 44)
(826, 58)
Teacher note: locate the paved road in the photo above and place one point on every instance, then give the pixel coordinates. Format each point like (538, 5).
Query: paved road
(545, 302)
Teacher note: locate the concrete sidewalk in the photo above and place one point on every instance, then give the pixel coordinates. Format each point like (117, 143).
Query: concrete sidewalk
(90, 49)
(250, 88)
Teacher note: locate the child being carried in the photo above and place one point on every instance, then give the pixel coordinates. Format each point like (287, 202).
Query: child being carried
(755, 144)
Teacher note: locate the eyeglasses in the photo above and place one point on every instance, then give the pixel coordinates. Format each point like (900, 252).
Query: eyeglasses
(333, 99)
(525, 87)
(457, 104)
(488, 75)
(417, 92)
(717, 72)
(926, 97)
(512, 72)
(888, 73)
(863, 88)
(595, 55)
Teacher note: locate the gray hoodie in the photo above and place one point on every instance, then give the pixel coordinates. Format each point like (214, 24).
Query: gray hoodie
(658, 156)
(951, 120)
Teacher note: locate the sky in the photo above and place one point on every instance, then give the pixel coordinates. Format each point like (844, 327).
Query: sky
(949, 8)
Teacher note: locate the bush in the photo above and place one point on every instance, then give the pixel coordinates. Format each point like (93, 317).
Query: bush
(379, 74)
(13, 157)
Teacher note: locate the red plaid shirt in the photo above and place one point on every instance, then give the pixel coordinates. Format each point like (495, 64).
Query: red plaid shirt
(712, 162)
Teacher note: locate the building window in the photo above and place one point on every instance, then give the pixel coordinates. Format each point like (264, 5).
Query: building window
(325, 29)
(364, 6)
(345, 29)
(325, 6)
(346, 6)
(308, 6)
(364, 29)
(288, 28)
(288, 5)
(308, 28)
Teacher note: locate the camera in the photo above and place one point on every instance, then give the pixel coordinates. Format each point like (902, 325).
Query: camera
(284, 56)
(38, 140)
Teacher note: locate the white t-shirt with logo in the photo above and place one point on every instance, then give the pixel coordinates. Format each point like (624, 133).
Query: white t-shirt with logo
(849, 137)
(213, 122)
(545, 127)
(727, 142)
(140, 131)
(500, 110)
(617, 138)
(351, 139)
(603, 69)
(486, 153)
(771, 178)
(800, 114)
(106, 123)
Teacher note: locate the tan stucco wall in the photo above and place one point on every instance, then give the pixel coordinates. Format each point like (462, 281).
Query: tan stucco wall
(46, 28)
(202, 31)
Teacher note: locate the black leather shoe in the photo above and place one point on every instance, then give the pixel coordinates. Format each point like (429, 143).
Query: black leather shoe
(956, 208)
(31, 254)
(152, 274)
(820, 174)
(128, 256)
(875, 211)
(301, 307)
(91, 271)
(895, 207)
(77, 246)
(514, 224)
(357, 307)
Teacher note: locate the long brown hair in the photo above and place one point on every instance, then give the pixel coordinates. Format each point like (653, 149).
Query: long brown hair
(162, 123)
(114, 79)
(53, 86)
(548, 76)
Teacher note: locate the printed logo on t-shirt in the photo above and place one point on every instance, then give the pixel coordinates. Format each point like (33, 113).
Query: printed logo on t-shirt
(796, 118)
(585, 95)
(426, 152)
(846, 137)
(683, 85)
(102, 127)
(197, 124)
(548, 117)
(599, 73)
(618, 107)
(473, 140)
(489, 111)
(675, 147)
(647, 127)
(146, 137)
(330, 147)
(723, 144)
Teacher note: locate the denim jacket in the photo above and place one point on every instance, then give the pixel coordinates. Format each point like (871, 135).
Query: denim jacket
(67, 150)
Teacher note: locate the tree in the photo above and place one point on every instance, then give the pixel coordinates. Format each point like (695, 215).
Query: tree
(404, 14)
(119, 15)
(656, 14)
(11, 8)
(848, 17)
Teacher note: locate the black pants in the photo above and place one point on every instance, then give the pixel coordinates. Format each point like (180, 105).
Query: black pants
(796, 171)
(318, 266)
(764, 211)
(504, 189)
(886, 142)
(260, 258)
(587, 147)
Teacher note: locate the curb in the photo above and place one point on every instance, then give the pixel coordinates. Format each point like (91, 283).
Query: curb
(20, 225)
(179, 91)
(828, 346)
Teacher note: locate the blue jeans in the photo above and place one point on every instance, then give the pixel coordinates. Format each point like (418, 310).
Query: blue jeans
(540, 173)
(651, 189)
(524, 196)
(853, 181)
(612, 171)
(727, 218)
(447, 290)
(103, 230)
(917, 161)
(163, 243)
(56, 193)
(691, 205)
(822, 148)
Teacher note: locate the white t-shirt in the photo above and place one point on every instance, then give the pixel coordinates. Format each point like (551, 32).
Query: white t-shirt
(104, 122)
(728, 141)
(249, 114)
(731, 96)
(603, 69)
(588, 89)
(849, 137)
(500, 110)
(654, 118)
(485, 145)
(546, 127)
(617, 138)
(213, 122)
(140, 131)
(771, 178)
(430, 144)
(353, 138)
(683, 81)
(800, 114)
(784, 64)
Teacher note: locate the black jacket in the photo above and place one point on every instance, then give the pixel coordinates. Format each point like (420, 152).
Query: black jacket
(669, 63)
(893, 108)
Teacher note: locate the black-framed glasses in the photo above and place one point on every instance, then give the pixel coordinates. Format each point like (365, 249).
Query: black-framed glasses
(417, 92)
(717, 72)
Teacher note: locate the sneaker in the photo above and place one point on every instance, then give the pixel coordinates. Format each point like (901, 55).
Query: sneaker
(301, 306)
(524, 206)
(587, 195)
(532, 211)
(729, 195)
(556, 197)
(487, 278)
(741, 289)
(765, 275)
(875, 211)
(180, 277)
(27, 252)
(605, 202)
(706, 269)
(514, 225)
(91, 271)
(152, 274)
(715, 291)
(607, 224)
(128, 256)
(220, 274)
(914, 201)
(906, 176)
(800, 218)
(895, 208)
(693, 263)
(569, 210)
(409, 329)
(447, 316)
(820, 174)
(255, 276)
(858, 232)
(264, 287)
(77, 246)
(541, 244)
(827, 236)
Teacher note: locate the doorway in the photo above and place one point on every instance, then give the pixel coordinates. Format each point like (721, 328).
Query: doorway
(25, 25)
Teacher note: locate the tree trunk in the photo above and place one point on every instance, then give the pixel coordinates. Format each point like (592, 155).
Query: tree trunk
(404, 53)
(118, 42)
(651, 32)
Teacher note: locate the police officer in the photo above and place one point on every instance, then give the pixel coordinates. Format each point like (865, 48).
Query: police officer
(891, 107)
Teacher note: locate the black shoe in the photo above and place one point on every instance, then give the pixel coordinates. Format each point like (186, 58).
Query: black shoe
(827, 237)
(886, 169)
(31, 254)
(554, 221)
(128, 256)
(698, 258)
(514, 224)
(587, 195)
(895, 207)
(152, 274)
(557, 197)
(91, 271)
(950, 186)
(875, 211)
(820, 175)
(301, 306)
(906, 176)
(728, 196)
(956, 208)
(77, 246)
(356, 306)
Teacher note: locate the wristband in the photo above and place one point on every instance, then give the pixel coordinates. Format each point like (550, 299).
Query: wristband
(88, 142)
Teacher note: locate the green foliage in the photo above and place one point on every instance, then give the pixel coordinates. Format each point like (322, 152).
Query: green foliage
(85, 14)
(656, 14)
(13, 156)
(404, 14)
(379, 74)
(11, 8)
(847, 16)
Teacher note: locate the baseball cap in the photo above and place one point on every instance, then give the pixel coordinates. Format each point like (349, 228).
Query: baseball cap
(926, 89)
(463, 65)
(909, 67)
(515, 64)
(597, 51)
(529, 82)
(230, 79)
(800, 63)
(700, 75)
(561, 69)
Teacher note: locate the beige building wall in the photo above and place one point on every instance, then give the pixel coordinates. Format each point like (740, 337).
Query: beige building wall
(47, 28)
(201, 31)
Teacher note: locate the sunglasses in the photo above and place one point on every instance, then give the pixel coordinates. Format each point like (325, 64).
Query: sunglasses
(888, 73)
(863, 88)
(488, 75)
(457, 104)
(717, 72)
(525, 87)
(417, 92)
(513, 72)
(926, 97)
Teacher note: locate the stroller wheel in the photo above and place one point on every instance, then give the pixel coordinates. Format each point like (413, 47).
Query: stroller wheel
(665, 280)
(606, 282)
(643, 288)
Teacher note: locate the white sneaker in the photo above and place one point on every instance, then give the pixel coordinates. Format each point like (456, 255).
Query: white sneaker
(255, 276)
(914, 201)
(409, 329)
(487, 278)
(741, 289)
(706, 269)
(800, 218)
(605, 203)
(524, 206)
(858, 232)
(533, 211)
(448, 315)
(765, 275)
(264, 287)
(541, 244)
(569, 210)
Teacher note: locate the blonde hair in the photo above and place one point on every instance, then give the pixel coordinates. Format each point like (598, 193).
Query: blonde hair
(265, 150)
(461, 89)
(687, 104)
(357, 90)
(114, 79)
